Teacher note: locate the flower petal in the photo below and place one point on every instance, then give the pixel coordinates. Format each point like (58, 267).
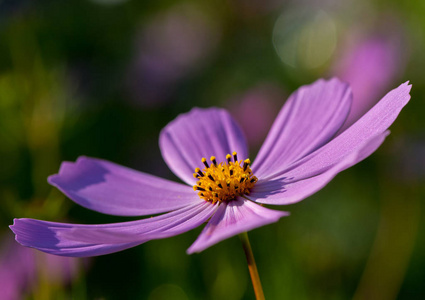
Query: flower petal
(372, 124)
(112, 189)
(45, 236)
(288, 190)
(233, 218)
(197, 134)
(308, 120)
(90, 240)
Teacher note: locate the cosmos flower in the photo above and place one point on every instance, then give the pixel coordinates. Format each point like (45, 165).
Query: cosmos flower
(299, 157)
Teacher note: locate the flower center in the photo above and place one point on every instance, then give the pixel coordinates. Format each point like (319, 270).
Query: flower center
(224, 181)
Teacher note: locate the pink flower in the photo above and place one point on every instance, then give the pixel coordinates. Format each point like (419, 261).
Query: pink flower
(299, 156)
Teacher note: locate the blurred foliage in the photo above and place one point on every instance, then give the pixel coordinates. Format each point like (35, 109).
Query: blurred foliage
(102, 77)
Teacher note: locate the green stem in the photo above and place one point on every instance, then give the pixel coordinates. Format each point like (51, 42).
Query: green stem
(255, 278)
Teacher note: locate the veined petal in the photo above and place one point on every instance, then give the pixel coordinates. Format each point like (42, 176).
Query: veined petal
(197, 134)
(113, 189)
(233, 218)
(309, 119)
(91, 240)
(375, 122)
(288, 190)
(45, 236)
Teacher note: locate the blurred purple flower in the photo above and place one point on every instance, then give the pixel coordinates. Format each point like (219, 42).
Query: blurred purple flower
(20, 269)
(369, 65)
(255, 111)
(299, 156)
(171, 46)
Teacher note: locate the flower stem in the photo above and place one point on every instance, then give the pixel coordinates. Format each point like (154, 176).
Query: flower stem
(255, 278)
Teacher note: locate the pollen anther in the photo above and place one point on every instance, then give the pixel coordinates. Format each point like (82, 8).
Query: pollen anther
(197, 170)
(204, 160)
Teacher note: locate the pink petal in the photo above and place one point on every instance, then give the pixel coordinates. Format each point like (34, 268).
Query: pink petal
(197, 134)
(233, 218)
(112, 189)
(372, 124)
(90, 240)
(288, 190)
(308, 120)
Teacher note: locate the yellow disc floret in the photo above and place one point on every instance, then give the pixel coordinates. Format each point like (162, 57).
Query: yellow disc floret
(224, 181)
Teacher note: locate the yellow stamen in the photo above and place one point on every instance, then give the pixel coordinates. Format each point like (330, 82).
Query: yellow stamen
(224, 181)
